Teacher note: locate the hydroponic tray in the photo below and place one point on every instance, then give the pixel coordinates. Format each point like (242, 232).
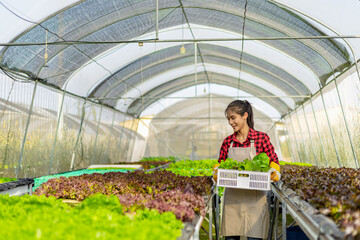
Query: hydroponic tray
(17, 188)
(315, 225)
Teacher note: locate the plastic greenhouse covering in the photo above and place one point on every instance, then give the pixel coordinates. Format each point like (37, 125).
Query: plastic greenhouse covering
(93, 81)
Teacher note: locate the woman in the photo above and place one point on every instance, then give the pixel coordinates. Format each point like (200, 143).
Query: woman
(245, 211)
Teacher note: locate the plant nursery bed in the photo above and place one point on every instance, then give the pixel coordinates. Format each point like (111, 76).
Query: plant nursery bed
(40, 180)
(161, 190)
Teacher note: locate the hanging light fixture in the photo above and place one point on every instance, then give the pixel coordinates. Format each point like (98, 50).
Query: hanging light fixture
(182, 49)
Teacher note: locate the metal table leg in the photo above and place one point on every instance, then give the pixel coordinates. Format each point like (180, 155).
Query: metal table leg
(284, 220)
(276, 217)
(273, 218)
(210, 217)
(216, 212)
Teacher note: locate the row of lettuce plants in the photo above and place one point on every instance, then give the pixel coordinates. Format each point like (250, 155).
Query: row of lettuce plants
(334, 192)
(159, 194)
(97, 217)
(161, 190)
(192, 167)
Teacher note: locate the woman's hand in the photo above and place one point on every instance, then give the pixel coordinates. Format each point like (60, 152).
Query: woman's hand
(275, 172)
(215, 171)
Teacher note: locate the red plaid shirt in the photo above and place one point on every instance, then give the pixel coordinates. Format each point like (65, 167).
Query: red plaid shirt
(262, 144)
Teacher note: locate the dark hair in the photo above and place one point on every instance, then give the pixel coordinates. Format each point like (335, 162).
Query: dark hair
(241, 107)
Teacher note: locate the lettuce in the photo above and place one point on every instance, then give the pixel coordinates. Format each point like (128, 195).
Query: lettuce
(260, 163)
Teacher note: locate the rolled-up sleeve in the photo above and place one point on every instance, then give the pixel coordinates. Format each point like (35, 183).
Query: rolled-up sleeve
(224, 149)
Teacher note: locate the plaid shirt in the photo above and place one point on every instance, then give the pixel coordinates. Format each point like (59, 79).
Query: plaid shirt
(262, 144)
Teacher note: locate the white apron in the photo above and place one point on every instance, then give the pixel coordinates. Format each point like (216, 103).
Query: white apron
(245, 212)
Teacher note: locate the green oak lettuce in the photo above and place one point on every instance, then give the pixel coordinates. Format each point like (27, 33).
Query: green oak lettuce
(98, 217)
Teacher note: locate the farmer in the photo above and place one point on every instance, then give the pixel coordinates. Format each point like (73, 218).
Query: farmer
(245, 211)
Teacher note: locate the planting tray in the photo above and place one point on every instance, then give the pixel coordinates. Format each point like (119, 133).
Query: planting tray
(41, 180)
(17, 188)
(243, 179)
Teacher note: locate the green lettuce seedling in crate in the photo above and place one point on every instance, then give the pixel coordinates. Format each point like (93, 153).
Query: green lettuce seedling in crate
(260, 163)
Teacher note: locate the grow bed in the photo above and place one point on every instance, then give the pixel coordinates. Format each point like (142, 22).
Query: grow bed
(325, 196)
(43, 179)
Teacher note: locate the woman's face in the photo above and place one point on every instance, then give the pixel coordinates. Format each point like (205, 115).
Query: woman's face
(236, 121)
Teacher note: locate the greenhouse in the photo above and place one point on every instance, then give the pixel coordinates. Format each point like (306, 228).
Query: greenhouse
(113, 115)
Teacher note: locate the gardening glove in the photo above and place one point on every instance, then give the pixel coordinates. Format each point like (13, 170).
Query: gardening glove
(215, 171)
(274, 172)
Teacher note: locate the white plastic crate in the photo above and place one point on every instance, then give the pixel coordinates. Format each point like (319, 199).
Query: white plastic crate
(243, 179)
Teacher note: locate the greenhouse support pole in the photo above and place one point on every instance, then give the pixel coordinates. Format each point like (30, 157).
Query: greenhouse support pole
(311, 141)
(288, 141)
(26, 129)
(78, 137)
(195, 58)
(296, 143)
(96, 136)
(331, 132)
(120, 139)
(209, 122)
(132, 139)
(111, 130)
(56, 132)
(133, 145)
(346, 125)
(128, 143)
(157, 20)
(318, 131)
(287, 130)
(302, 137)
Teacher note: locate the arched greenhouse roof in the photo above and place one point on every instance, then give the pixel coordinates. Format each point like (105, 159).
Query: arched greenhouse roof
(281, 52)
